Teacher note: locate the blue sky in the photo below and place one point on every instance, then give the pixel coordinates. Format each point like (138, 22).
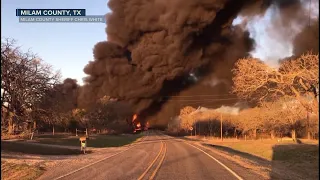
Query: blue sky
(66, 46)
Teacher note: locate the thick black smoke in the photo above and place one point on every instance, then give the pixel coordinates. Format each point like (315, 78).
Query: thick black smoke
(307, 40)
(155, 45)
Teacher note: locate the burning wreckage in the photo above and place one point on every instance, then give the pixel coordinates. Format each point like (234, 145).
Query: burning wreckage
(159, 49)
(136, 125)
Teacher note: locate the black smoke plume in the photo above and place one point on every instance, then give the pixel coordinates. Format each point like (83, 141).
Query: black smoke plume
(160, 48)
(307, 39)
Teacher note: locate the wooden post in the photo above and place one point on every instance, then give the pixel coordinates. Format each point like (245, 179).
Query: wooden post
(86, 132)
(221, 134)
(31, 136)
(293, 134)
(10, 123)
(308, 126)
(272, 134)
(34, 125)
(53, 129)
(76, 132)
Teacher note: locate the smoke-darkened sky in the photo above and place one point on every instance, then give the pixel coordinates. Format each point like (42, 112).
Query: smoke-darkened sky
(92, 33)
(274, 38)
(157, 49)
(160, 48)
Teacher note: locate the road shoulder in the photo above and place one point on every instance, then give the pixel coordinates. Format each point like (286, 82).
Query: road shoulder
(257, 165)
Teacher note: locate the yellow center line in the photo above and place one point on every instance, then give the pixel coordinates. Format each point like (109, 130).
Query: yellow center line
(159, 165)
(146, 171)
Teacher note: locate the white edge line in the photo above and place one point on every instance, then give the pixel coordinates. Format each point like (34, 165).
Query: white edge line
(232, 172)
(92, 164)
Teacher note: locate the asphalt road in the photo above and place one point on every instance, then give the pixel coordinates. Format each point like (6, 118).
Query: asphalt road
(161, 157)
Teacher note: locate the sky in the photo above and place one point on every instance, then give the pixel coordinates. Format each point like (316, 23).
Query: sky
(274, 42)
(66, 46)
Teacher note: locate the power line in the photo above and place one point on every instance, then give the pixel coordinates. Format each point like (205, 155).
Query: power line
(202, 95)
(199, 103)
(201, 100)
(309, 13)
(203, 103)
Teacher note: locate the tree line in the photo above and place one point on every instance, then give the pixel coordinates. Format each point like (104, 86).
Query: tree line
(33, 97)
(286, 101)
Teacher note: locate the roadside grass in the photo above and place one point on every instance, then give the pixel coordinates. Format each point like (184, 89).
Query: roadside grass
(285, 151)
(296, 153)
(260, 149)
(301, 158)
(38, 145)
(98, 141)
(265, 148)
(50, 136)
(12, 171)
(32, 148)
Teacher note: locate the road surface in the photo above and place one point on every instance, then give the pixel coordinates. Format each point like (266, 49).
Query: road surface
(160, 157)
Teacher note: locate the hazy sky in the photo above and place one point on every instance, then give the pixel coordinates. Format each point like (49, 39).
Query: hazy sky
(66, 46)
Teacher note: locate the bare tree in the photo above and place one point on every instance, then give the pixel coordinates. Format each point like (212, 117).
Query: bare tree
(255, 80)
(24, 80)
(295, 78)
(186, 121)
(284, 115)
(56, 104)
(249, 120)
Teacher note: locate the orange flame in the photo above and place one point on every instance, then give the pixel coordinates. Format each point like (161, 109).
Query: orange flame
(135, 116)
(138, 125)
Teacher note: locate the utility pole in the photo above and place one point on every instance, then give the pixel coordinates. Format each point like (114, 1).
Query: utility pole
(221, 127)
(199, 130)
(195, 129)
(309, 13)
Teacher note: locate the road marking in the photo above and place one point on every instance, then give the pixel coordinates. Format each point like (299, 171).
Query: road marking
(92, 163)
(129, 147)
(232, 172)
(146, 171)
(160, 163)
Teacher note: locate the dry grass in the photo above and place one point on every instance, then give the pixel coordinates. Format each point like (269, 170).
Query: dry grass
(32, 148)
(287, 156)
(261, 149)
(97, 141)
(265, 148)
(12, 171)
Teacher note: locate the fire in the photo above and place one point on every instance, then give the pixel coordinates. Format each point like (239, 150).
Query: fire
(146, 126)
(137, 125)
(134, 117)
